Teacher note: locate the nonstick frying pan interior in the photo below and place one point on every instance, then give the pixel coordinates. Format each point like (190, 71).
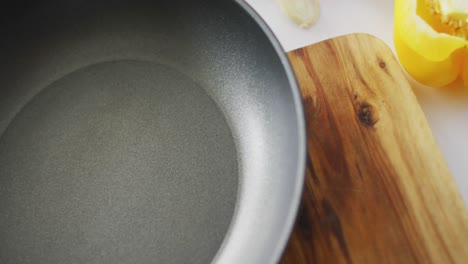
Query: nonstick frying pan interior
(144, 132)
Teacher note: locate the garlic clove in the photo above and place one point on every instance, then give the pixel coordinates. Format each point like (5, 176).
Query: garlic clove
(304, 12)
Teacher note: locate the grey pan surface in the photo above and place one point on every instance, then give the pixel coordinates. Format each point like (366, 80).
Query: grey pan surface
(145, 132)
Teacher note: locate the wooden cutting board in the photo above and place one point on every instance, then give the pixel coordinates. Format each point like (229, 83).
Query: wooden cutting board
(378, 189)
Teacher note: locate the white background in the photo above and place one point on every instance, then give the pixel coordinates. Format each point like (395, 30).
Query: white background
(446, 110)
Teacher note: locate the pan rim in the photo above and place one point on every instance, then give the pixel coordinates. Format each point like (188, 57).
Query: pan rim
(283, 234)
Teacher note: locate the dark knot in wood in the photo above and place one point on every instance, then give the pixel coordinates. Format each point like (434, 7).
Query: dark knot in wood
(367, 115)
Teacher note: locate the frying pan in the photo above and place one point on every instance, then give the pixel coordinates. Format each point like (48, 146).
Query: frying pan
(145, 132)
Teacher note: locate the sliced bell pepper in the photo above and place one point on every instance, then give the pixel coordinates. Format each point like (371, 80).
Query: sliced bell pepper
(431, 39)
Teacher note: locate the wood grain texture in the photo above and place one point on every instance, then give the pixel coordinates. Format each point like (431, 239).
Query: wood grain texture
(378, 189)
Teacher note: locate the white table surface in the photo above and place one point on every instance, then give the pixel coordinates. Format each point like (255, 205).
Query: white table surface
(447, 112)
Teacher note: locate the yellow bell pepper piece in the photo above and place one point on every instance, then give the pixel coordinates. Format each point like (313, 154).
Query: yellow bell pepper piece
(431, 38)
